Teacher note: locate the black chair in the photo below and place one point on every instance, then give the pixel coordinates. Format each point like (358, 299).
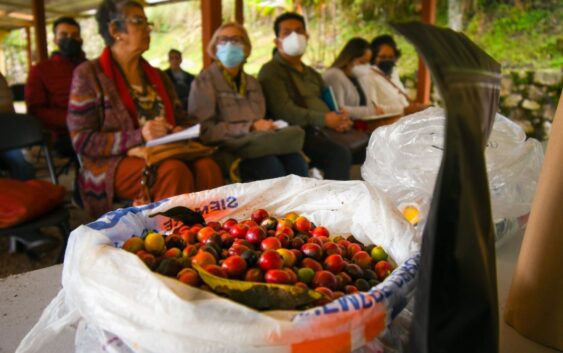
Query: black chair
(18, 95)
(18, 92)
(20, 131)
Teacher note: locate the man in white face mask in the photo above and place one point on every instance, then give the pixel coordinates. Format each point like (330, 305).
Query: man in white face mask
(293, 93)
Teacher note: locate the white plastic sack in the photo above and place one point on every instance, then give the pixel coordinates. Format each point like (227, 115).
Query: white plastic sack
(403, 160)
(122, 306)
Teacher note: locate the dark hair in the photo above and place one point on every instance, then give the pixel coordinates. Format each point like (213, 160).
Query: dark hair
(377, 42)
(67, 20)
(355, 48)
(287, 16)
(112, 11)
(174, 51)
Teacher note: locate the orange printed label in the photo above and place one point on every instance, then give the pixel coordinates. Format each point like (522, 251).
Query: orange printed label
(341, 343)
(374, 327)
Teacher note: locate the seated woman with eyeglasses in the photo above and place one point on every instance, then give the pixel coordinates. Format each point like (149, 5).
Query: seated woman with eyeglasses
(229, 104)
(117, 103)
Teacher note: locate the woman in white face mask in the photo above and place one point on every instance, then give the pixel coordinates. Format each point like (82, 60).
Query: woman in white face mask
(351, 64)
(229, 104)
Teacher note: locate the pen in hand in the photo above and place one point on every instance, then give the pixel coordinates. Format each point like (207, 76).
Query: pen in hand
(378, 110)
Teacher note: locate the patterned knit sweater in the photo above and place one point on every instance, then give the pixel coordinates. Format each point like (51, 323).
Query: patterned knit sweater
(102, 132)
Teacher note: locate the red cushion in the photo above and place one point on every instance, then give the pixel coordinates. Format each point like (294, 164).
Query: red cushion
(22, 201)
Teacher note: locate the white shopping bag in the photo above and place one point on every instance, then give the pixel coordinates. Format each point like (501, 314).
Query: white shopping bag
(403, 160)
(122, 306)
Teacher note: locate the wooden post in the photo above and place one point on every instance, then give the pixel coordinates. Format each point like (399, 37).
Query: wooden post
(239, 14)
(423, 79)
(40, 33)
(210, 21)
(28, 48)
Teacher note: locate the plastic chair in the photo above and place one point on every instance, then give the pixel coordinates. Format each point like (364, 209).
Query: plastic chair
(18, 95)
(18, 92)
(20, 131)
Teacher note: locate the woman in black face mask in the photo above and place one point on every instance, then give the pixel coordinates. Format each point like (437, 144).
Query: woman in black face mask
(382, 83)
(385, 53)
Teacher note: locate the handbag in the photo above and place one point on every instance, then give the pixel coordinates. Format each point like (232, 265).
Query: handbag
(265, 143)
(354, 140)
(183, 150)
(154, 155)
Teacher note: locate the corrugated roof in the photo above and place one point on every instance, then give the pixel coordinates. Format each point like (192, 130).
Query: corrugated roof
(18, 13)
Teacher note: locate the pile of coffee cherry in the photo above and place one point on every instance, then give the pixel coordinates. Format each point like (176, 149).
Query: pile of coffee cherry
(288, 250)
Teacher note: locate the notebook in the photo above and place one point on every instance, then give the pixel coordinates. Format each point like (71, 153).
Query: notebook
(330, 99)
(189, 133)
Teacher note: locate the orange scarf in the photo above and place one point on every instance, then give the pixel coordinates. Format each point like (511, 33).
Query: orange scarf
(111, 70)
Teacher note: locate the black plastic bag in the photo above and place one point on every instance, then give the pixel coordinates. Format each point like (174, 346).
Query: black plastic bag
(456, 307)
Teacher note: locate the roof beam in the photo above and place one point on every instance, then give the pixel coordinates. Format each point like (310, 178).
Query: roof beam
(53, 9)
(12, 23)
(10, 6)
(66, 7)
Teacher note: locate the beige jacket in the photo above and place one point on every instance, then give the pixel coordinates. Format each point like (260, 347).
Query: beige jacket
(222, 112)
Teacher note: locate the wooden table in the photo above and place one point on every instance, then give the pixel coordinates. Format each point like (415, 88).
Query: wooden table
(23, 298)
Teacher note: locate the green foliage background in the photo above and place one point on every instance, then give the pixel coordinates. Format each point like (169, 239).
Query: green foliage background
(519, 34)
(520, 38)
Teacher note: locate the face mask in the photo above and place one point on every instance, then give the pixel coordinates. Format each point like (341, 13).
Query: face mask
(386, 66)
(360, 70)
(70, 47)
(229, 54)
(294, 44)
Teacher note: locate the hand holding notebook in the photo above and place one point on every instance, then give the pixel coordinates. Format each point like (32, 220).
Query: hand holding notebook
(186, 134)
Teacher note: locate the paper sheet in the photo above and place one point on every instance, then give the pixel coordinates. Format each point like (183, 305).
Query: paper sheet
(280, 124)
(189, 133)
(380, 116)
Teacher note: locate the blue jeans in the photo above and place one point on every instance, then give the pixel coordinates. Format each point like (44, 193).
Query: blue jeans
(268, 167)
(16, 164)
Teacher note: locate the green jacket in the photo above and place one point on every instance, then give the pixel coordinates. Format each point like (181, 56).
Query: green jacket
(281, 96)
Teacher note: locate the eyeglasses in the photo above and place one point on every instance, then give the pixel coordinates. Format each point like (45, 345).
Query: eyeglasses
(230, 39)
(138, 21)
(142, 22)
